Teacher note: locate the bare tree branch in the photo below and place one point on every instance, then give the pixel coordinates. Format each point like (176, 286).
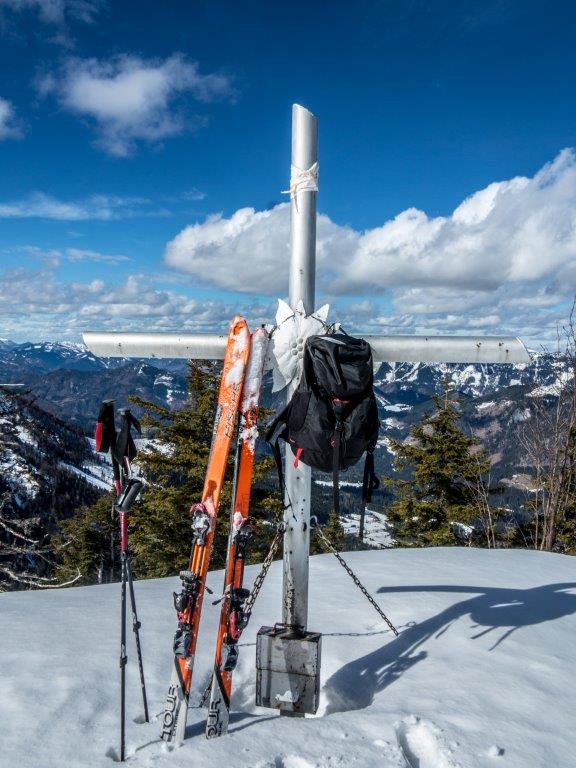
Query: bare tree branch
(549, 444)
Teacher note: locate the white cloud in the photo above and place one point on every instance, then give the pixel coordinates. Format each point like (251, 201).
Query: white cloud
(57, 11)
(505, 259)
(132, 99)
(250, 251)
(503, 262)
(194, 194)
(96, 207)
(54, 257)
(35, 304)
(9, 124)
(79, 254)
(522, 230)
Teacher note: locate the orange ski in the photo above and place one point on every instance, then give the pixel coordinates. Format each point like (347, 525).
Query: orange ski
(233, 619)
(188, 602)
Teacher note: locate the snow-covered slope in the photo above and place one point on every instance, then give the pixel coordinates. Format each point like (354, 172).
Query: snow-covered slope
(47, 470)
(482, 675)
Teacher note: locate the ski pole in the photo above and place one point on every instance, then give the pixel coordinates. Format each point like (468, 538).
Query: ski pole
(136, 627)
(123, 661)
(122, 450)
(129, 495)
(119, 477)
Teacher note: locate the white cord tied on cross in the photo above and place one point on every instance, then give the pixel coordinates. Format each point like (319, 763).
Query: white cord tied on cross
(302, 180)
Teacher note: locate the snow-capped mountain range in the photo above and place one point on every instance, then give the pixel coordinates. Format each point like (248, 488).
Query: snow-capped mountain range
(42, 448)
(70, 382)
(545, 370)
(19, 361)
(47, 356)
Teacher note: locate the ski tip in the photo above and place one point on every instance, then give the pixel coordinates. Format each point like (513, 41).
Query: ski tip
(238, 323)
(239, 337)
(260, 333)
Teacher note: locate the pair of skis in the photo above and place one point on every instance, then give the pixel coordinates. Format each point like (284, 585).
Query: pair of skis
(238, 394)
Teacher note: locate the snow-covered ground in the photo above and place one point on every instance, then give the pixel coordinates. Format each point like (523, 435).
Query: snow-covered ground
(376, 528)
(341, 484)
(398, 407)
(89, 476)
(482, 675)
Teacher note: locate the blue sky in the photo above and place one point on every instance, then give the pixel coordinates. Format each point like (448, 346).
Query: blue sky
(132, 143)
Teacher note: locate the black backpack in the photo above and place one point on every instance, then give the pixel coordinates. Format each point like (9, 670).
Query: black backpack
(332, 418)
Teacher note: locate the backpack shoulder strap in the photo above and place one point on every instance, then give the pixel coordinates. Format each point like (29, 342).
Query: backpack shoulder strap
(370, 481)
(272, 436)
(336, 467)
(307, 377)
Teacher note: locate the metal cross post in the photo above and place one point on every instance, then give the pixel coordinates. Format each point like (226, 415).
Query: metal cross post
(302, 284)
(425, 349)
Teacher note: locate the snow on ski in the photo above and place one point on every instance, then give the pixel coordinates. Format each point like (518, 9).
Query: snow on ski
(232, 617)
(188, 602)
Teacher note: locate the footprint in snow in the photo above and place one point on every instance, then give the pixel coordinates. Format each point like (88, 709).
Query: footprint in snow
(423, 745)
(297, 761)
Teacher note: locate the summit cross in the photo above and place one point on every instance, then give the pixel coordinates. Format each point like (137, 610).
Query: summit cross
(302, 276)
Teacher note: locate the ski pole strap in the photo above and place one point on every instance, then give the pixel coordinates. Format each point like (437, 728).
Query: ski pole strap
(370, 482)
(105, 433)
(105, 438)
(125, 446)
(330, 547)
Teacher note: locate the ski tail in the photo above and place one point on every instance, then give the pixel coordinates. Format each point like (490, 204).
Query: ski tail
(176, 708)
(232, 617)
(188, 602)
(219, 706)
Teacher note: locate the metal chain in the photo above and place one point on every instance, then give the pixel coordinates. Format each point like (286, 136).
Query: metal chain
(326, 542)
(259, 580)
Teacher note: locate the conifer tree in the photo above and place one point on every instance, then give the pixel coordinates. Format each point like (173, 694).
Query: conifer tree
(174, 467)
(334, 531)
(444, 465)
(87, 544)
(161, 538)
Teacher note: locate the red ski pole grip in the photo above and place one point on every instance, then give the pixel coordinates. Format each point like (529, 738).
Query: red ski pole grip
(98, 435)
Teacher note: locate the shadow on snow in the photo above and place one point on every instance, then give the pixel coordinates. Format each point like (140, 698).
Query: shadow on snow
(355, 684)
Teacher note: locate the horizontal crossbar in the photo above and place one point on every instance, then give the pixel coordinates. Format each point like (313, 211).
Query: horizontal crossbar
(448, 349)
(417, 349)
(199, 346)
